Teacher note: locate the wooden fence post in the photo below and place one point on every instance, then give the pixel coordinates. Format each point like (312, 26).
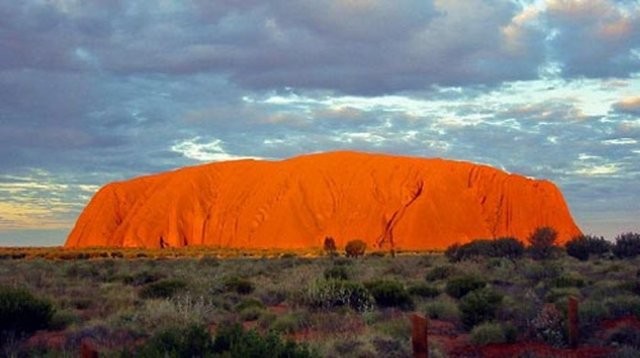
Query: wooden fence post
(573, 322)
(419, 338)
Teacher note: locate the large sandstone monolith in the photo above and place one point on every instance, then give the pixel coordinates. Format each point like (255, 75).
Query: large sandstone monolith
(387, 201)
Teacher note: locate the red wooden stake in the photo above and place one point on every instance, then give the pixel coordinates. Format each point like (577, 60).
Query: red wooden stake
(573, 322)
(419, 336)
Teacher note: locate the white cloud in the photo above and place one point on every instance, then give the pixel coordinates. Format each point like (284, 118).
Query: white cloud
(205, 151)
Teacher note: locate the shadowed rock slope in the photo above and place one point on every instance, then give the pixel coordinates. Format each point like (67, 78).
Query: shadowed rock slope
(404, 202)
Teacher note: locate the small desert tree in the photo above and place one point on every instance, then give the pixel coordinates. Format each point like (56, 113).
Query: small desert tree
(582, 246)
(627, 245)
(355, 248)
(542, 243)
(329, 246)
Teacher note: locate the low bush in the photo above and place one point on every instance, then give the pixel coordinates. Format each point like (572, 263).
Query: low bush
(542, 243)
(479, 306)
(329, 246)
(423, 290)
(590, 314)
(488, 332)
(581, 247)
(192, 341)
(328, 294)
(289, 323)
(247, 303)
(355, 248)
(440, 273)
(233, 341)
(627, 245)
(21, 313)
(389, 293)
(564, 281)
(460, 286)
(163, 289)
(442, 309)
(506, 247)
(622, 305)
(336, 272)
(239, 285)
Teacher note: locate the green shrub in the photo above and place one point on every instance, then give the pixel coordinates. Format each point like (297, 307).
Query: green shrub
(622, 305)
(536, 271)
(336, 272)
(355, 248)
(389, 294)
(423, 290)
(590, 314)
(193, 341)
(163, 289)
(567, 281)
(239, 285)
(440, 273)
(442, 309)
(327, 294)
(506, 247)
(459, 286)
(627, 245)
(21, 313)
(233, 341)
(251, 313)
(289, 323)
(542, 243)
(479, 306)
(556, 295)
(249, 302)
(581, 247)
(488, 332)
(329, 246)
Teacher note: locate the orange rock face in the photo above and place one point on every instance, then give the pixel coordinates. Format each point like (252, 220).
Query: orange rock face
(387, 201)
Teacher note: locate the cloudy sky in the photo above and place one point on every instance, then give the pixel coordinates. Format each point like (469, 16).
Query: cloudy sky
(96, 91)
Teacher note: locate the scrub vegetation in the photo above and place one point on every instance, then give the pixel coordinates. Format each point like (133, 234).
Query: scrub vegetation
(211, 302)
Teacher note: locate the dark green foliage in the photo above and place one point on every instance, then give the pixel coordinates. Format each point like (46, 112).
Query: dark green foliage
(193, 341)
(336, 272)
(506, 247)
(249, 303)
(542, 243)
(581, 247)
(423, 290)
(389, 293)
(460, 286)
(22, 313)
(479, 306)
(329, 246)
(627, 245)
(142, 278)
(440, 273)
(328, 294)
(355, 248)
(162, 289)
(239, 285)
(232, 341)
(567, 281)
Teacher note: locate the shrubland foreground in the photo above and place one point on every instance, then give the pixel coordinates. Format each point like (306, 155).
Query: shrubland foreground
(486, 298)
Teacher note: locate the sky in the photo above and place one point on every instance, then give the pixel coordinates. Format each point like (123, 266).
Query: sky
(98, 91)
